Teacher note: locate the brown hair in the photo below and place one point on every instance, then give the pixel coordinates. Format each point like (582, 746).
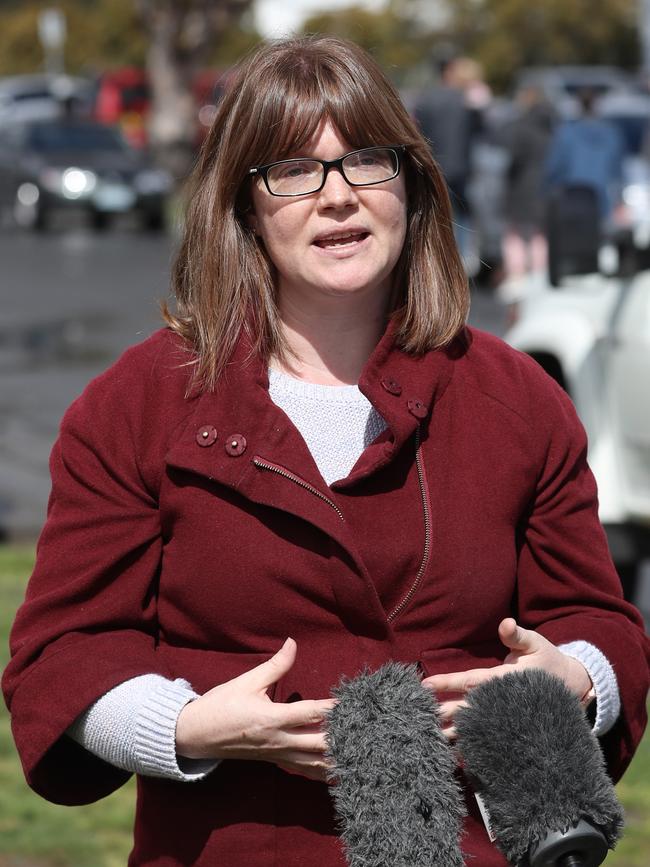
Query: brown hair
(222, 278)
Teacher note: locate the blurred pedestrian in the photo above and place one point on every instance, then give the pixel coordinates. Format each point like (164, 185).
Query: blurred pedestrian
(526, 141)
(449, 115)
(587, 152)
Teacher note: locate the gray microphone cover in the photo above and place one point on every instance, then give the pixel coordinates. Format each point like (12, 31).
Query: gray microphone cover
(394, 791)
(529, 748)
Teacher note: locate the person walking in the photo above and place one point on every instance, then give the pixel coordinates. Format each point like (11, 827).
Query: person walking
(449, 115)
(526, 139)
(587, 152)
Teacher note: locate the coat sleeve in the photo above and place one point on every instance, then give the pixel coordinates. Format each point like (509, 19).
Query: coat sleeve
(568, 588)
(89, 620)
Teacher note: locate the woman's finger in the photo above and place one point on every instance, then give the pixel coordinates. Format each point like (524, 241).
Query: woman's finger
(462, 681)
(517, 638)
(450, 733)
(448, 709)
(309, 712)
(265, 675)
(306, 764)
(306, 742)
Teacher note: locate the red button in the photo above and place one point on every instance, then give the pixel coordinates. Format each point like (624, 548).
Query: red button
(206, 435)
(391, 386)
(417, 408)
(236, 445)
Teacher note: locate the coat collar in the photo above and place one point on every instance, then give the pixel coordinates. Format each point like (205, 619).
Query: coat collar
(241, 421)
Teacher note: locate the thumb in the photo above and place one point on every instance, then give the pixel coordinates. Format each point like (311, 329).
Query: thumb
(265, 675)
(515, 637)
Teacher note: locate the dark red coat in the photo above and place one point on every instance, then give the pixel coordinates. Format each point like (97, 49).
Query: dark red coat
(189, 537)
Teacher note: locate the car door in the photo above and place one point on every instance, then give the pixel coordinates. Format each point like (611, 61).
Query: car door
(629, 394)
(5, 167)
(11, 140)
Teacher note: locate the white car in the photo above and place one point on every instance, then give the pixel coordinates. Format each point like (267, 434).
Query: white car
(592, 334)
(39, 97)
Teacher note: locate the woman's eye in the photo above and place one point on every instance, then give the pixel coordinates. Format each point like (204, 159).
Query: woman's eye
(293, 170)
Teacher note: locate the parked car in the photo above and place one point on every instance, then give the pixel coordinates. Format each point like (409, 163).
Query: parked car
(630, 229)
(36, 97)
(592, 334)
(62, 164)
(560, 84)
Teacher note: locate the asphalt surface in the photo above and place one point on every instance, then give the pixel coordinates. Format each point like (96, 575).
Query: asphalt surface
(70, 302)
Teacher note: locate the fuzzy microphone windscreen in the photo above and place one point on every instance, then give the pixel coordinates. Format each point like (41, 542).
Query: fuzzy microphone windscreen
(394, 790)
(537, 765)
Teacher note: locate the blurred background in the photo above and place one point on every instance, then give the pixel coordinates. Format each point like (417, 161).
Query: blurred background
(539, 115)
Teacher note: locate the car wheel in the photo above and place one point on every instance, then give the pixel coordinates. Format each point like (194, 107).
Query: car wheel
(99, 220)
(153, 221)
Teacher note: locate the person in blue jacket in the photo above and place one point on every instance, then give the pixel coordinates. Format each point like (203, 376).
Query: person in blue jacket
(587, 152)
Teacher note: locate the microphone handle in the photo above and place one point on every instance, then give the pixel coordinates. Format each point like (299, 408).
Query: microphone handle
(582, 845)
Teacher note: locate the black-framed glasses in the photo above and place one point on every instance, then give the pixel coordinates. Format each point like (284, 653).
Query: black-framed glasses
(304, 175)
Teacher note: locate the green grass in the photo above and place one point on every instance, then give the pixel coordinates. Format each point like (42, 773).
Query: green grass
(34, 833)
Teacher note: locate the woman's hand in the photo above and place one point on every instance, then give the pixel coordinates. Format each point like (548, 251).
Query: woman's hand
(528, 649)
(237, 720)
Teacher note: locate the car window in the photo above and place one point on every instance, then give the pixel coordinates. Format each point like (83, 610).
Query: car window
(52, 138)
(12, 137)
(23, 96)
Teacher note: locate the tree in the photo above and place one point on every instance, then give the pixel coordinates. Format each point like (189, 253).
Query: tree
(100, 34)
(502, 35)
(505, 35)
(390, 34)
(182, 36)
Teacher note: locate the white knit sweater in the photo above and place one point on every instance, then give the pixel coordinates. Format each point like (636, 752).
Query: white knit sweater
(133, 725)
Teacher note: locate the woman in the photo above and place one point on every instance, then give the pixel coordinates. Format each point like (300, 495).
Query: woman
(226, 485)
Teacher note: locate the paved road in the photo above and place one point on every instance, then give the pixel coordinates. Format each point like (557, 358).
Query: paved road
(70, 302)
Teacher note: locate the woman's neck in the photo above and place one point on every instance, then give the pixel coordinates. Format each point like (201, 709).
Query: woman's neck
(329, 347)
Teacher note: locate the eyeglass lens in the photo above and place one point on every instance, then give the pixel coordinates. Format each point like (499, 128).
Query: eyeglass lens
(297, 177)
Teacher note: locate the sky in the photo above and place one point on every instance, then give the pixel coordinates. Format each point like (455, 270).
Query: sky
(279, 17)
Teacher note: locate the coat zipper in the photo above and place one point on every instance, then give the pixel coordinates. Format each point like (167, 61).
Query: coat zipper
(281, 471)
(424, 494)
(286, 474)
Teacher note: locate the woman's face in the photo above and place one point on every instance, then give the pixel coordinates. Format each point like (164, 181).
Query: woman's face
(338, 242)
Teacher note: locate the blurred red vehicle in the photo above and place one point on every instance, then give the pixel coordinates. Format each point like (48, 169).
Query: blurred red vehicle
(124, 98)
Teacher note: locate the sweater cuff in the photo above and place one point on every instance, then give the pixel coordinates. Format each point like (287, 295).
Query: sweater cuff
(599, 669)
(155, 735)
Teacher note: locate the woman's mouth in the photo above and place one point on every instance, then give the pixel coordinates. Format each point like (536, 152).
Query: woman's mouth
(341, 241)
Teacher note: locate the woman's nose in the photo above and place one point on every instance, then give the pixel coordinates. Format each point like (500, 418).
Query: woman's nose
(336, 191)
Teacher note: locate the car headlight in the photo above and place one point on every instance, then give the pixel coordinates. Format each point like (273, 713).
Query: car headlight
(71, 183)
(78, 182)
(152, 181)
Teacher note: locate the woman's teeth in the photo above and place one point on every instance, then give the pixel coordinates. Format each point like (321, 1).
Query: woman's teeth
(341, 240)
